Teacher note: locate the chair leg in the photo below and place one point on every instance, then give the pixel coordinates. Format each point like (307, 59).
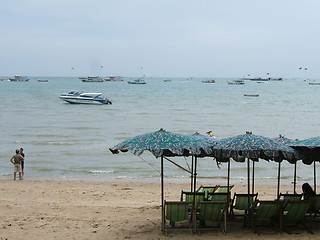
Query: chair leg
(309, 229)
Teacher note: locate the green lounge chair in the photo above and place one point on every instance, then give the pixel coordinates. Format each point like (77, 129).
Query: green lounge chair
(294, 212)
(189, 196)
(224, 188)
(177, 211)
(265, 211)
(314, 210)
(242, 202)
(212, 211)
(208, 191)
(290, 196)
(285, 197)
(220, 196)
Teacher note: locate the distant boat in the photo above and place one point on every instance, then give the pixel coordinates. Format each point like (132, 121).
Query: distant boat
(137, 81)
(275, 79)
(5, 79)
(167, 80)
(43, 80)
(236, 82)
(259, 79)
(265, 79)
(76, 97)
(251, 95)
(91, 79)
(113, 79)
(314, 83)
(18, 78)
(209, 81)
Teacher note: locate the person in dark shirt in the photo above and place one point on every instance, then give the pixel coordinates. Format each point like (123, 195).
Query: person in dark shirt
(307, 191)
(22, 163)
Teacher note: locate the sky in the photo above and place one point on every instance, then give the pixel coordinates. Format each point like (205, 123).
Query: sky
(160, 38)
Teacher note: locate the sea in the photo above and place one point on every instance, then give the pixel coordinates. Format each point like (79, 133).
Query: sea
(65, 141)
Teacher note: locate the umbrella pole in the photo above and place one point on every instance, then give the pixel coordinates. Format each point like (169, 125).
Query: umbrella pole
(228, 182)
(248, 175)
(295, 178)
(315, 177)
(252, 176)
(278, 189)
(191, 174)
(195, 174)
(194, 207)
(162, 197)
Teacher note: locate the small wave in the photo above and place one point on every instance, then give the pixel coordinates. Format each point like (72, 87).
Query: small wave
(101, 171)
(6, 174)
(43, 169)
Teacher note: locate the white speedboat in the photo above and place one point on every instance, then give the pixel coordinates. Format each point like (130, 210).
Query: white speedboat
(76, 97)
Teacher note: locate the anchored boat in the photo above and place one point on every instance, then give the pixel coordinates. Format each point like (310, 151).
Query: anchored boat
(76, 97)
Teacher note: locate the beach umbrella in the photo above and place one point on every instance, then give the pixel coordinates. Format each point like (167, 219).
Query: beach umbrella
(163, 144)
(249, 146)
(310, 152)
(287, 141)
(207, 137)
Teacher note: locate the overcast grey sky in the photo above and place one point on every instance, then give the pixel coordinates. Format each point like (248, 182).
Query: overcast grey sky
(199, 38)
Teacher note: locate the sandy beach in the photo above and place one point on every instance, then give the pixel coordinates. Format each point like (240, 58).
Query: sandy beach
(41, 209)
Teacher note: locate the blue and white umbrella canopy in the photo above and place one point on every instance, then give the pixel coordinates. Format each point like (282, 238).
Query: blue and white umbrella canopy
(308, 148)
(253, 147)
(164, 143)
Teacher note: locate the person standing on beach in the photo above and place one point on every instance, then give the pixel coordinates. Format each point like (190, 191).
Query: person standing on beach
(22, 163)
(16, 161)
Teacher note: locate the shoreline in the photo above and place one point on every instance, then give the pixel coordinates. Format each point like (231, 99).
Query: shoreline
(68, 209)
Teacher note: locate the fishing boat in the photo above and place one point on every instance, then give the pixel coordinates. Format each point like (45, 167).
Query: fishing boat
(209, 81)
(236, 82)
(18, 78)
(76, 97)
(251, 95)
(259, 79)
(91, 79)
(113, 79)
(43, 80)
(137, 81)
(266, 79)
(275, 79)
(314, 83)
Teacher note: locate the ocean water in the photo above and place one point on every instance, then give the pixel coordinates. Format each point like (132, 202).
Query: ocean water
(64, 141)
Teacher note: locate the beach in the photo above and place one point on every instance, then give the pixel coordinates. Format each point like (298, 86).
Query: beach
(55, 209)
(75, 188)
